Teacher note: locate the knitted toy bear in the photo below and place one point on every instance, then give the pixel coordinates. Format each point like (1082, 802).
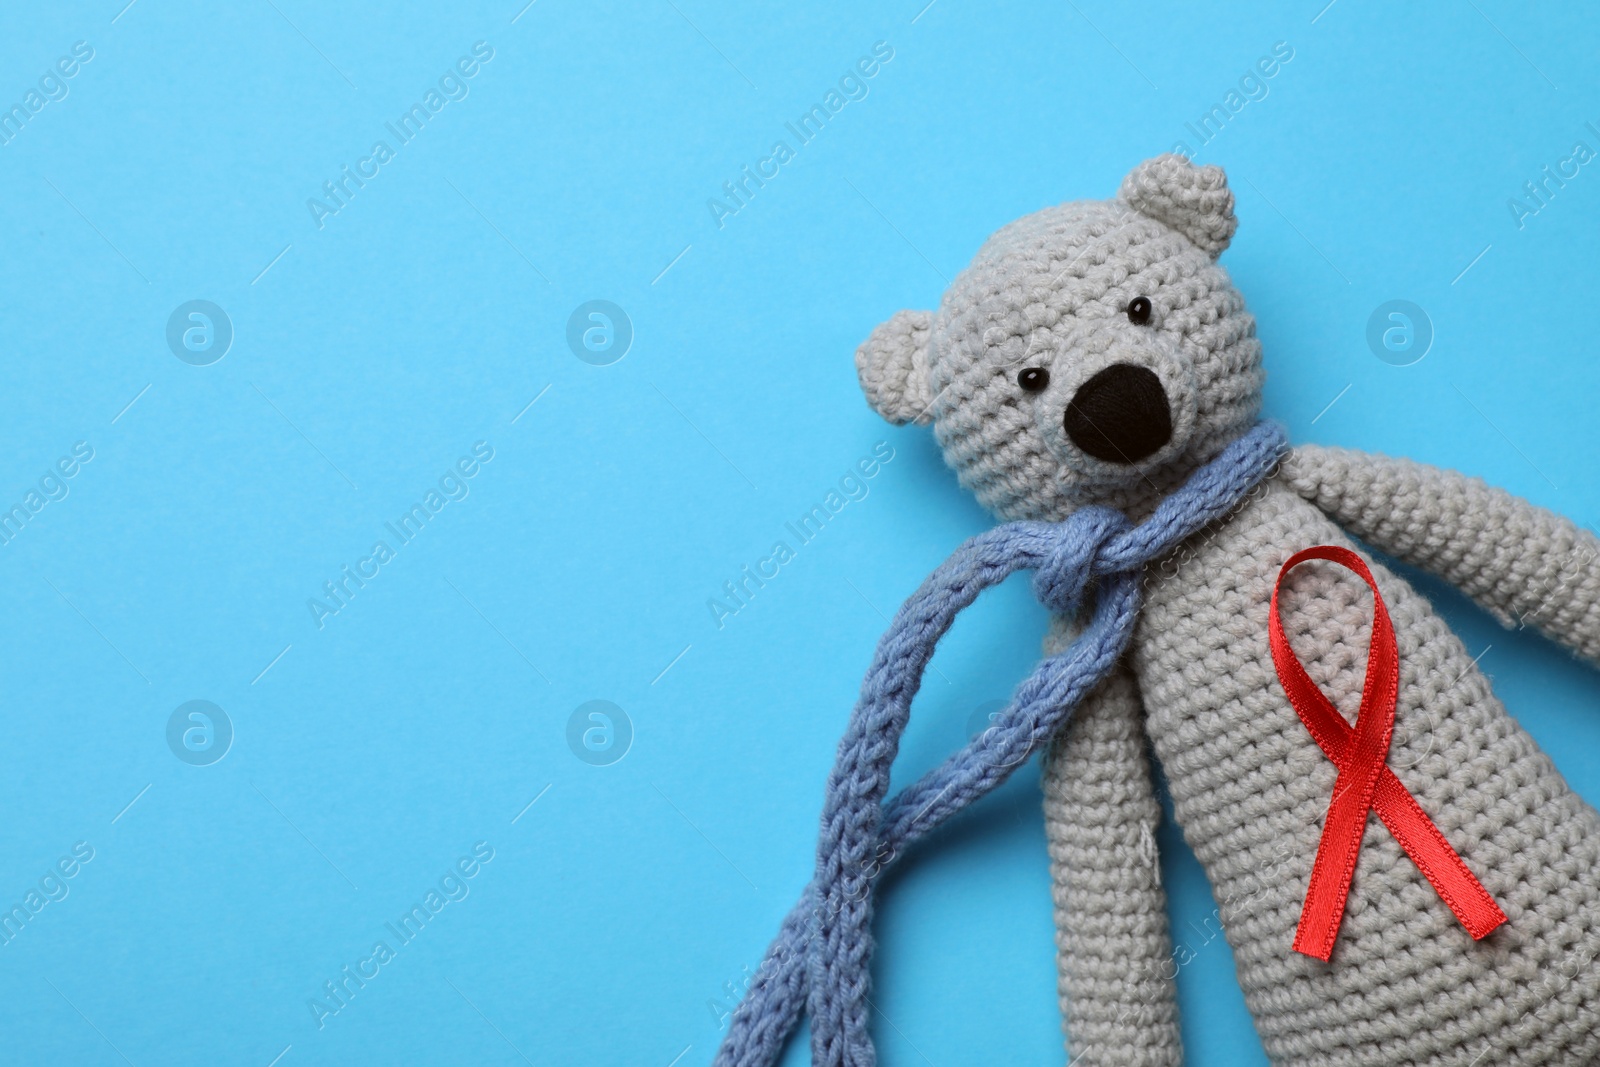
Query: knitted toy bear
(1095, 354)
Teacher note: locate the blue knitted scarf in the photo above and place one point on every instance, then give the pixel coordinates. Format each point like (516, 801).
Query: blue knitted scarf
(820, 958)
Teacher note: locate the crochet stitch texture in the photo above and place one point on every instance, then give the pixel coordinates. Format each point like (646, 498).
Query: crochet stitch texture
(1128, 291)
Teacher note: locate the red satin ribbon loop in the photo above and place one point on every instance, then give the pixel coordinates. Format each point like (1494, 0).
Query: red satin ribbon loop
(1365, 782)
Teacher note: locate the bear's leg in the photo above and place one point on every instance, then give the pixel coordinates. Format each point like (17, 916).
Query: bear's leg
(1113, 948)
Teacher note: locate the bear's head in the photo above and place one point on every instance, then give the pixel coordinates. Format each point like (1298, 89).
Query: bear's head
(1091, 353)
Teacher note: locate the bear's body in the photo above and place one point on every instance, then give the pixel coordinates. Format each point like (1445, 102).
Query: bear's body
(1094, 353)
(1250, 789)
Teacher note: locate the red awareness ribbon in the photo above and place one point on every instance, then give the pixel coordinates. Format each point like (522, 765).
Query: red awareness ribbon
(1365, 782)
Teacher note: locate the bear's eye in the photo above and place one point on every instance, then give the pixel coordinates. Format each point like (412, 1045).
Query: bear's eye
(1139, 310)
(1034, 379)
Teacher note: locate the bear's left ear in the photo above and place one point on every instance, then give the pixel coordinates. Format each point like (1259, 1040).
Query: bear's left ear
(1195, 201)
(893, 367)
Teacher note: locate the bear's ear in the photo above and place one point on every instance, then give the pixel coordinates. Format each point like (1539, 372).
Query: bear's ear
(1193, 200)
(893, 367)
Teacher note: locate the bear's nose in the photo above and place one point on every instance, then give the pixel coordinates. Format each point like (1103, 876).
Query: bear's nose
(1120, 415)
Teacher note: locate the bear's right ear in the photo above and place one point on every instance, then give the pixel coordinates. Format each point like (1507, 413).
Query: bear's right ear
(1193, 200)
(893, 367)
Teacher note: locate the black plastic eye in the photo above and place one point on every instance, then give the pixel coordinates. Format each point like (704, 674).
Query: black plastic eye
(1034, 379)
(1139, 310)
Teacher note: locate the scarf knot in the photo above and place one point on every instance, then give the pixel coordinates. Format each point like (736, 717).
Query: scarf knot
(1060, 580)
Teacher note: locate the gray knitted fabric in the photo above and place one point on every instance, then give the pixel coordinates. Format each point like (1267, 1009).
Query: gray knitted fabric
(1250, 788)
(1054, 293)
(1111, 914)
(1520, 563)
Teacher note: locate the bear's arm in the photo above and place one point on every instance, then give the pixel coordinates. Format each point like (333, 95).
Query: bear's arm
(1521, 563)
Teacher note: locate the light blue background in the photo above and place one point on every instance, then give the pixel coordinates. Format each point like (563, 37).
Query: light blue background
(621, 912)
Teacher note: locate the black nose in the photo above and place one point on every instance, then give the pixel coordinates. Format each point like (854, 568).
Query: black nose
(1120, 415)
